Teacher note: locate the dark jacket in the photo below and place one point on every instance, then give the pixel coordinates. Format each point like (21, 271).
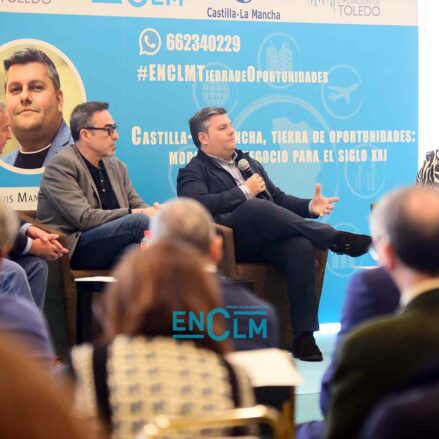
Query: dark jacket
(207, 182)
(20, 243)
(379, 358)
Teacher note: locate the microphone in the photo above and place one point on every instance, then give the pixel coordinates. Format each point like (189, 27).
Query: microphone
(246, 169)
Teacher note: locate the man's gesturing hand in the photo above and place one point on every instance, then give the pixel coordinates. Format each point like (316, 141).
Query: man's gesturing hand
(321, 205)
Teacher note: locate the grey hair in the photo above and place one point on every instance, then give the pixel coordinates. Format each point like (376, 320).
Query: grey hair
(82, 114)
(8, 227)
(184, 220)
(409, 219)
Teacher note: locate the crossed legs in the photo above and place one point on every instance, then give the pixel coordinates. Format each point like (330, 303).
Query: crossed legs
(99, 248)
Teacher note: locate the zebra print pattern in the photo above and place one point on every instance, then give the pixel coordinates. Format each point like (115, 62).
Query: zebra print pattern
(428, 175)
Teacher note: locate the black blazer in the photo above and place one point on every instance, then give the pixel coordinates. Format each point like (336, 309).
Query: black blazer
(207, 182)
(19, 243)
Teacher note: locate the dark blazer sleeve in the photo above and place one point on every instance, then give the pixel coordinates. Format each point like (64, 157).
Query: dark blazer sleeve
(300, 206)
(196, 181)
(19, 243)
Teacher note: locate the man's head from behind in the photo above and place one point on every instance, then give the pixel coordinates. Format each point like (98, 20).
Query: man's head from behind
(93, 130)
(8, 229)
(405, 230)
(32, 93)
(212, 132)
(187, 221)
(5, 131)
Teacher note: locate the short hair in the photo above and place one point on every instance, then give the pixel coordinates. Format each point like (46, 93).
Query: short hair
(409, 219)
(29, 55)
(199, 122)
(82, 114)
(184, 220)
(151, 285)
(8, 227)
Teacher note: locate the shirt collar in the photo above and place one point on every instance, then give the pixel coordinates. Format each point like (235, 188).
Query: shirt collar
(418, 289)
(222, 161)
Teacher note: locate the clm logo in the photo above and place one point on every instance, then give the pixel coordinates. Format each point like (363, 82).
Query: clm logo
(188, 324)
(244, 1)
(140, 3)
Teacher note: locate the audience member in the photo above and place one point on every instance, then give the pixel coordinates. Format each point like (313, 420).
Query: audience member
(26, 274)
(381, 357)
(34, 100)
(142, 370)
(411, 413)
(18, 317)
(86, 192)
(31, 406)
(188, 221)
(268, 225)
(370, 294)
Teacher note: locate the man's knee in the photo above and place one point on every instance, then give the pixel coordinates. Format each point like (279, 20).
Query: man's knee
(12, 270)
(138, 223)
(13, 280)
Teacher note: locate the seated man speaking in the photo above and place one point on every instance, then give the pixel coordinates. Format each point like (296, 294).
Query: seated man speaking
(86, 192)
(268, 224)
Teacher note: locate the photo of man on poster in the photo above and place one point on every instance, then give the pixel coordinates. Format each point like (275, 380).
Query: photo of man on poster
(34, 101)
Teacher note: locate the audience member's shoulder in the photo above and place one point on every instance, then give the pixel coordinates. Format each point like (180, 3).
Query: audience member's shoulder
(373, 335)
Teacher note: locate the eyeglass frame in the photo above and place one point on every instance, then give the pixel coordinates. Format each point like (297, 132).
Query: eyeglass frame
(110, 129)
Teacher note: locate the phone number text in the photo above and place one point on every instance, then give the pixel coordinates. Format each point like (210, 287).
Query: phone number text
(203, 43)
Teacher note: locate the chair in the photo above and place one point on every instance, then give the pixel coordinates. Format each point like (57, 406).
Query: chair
(269, 282)
(163, 425)
(61, 289)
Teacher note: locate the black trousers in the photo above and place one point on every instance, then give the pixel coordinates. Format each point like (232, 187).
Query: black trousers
(266, 232)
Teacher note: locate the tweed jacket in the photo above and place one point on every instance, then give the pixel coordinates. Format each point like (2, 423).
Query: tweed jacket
(142, 378)
(379, 358)
(69, 200)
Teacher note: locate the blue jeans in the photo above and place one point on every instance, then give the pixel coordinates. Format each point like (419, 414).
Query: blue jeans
(13, 280)
(101, 247)
(26, 277)
(37, 270)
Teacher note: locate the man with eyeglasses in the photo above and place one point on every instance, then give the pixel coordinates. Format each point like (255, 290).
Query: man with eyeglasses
(86, 192)
(34, 100)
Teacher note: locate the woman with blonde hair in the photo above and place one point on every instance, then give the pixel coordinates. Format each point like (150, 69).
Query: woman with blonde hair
(141, 370)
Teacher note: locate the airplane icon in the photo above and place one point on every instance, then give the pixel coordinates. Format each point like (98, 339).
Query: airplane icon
(342, 92)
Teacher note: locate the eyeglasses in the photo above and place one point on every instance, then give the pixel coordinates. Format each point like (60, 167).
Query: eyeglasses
(110, 129)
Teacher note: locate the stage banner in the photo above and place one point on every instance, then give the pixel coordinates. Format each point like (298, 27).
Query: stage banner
(319, 91)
